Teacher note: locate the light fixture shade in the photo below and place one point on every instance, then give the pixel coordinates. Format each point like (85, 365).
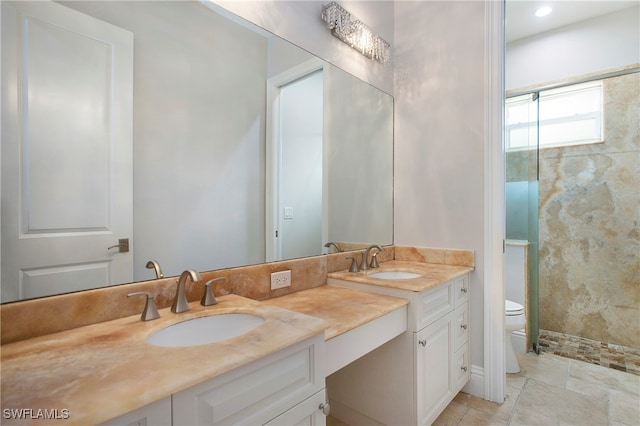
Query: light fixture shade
(355, 33)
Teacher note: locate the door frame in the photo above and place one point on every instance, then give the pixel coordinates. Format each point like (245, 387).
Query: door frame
(273, 163)
(494, 372)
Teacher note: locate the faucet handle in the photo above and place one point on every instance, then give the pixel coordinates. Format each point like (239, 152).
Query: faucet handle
(354, 264)
(209, 298)
(374, 260)
(150, 311)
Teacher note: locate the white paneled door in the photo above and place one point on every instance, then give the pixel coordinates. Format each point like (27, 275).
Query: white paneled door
(67, 98)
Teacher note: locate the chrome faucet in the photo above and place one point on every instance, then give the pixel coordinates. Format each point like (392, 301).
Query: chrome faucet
(365, 257)
(336, 246)
(152, 264)
(180, 303)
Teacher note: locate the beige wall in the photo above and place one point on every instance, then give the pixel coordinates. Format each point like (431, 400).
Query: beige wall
(589, 227)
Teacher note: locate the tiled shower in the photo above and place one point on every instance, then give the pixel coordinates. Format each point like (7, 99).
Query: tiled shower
(587, 288)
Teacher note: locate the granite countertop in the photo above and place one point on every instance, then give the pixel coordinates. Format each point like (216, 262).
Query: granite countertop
(343, 309)
(104, 370)
(432, 275)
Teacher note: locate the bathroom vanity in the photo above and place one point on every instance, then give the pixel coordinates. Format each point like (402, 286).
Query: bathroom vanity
(411, 379)
(108, 373)
(366, 341)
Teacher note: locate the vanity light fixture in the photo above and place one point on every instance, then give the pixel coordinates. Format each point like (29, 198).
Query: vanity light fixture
(355, 33)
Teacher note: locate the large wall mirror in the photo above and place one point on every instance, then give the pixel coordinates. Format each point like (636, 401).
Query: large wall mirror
(199, 140)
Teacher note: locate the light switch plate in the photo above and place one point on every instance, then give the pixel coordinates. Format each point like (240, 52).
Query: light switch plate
(288, 212)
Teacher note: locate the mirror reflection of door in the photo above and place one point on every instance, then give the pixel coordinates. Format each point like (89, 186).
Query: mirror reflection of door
(296, 171)
(51, 241)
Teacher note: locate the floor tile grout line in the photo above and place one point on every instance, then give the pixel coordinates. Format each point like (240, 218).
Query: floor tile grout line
(464, 413)
(515, 404)
(609, 420)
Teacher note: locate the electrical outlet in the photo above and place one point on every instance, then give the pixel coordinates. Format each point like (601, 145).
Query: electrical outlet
(280, 279)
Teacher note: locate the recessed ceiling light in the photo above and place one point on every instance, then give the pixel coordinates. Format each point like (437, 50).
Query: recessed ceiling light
(543, 11)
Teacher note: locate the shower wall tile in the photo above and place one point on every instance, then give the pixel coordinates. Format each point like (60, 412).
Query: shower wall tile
(520, 166)
(589, 230)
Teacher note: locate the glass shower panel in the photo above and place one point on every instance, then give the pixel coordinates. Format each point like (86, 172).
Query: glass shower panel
(522, 162)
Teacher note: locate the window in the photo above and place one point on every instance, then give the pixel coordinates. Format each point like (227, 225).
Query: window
(570, 115)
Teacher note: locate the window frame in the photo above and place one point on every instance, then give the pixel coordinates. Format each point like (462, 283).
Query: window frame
(536, 125)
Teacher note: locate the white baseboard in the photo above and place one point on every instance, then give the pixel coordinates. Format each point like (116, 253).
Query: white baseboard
(475, 386)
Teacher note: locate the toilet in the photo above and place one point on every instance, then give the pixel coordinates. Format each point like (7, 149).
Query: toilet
(513, 320)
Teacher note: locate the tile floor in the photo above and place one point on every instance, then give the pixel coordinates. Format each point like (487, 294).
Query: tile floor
(552, 390)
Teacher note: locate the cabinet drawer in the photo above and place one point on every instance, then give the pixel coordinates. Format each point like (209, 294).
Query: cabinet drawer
(460, 326)
(461, 289)
(433, 304)
(255, 393)
(461, 368)
(308, 412)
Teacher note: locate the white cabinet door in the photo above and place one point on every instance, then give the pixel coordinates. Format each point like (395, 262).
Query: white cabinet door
(67, 185)
(155, 414)
(433, 369)
(307, 413)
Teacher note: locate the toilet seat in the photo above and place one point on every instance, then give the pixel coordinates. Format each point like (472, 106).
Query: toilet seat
(512, 308)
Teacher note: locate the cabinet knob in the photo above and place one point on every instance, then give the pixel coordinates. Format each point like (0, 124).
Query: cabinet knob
(464, 368)
(463, 326)
(463, 289)
(325, 408)
(423, 342)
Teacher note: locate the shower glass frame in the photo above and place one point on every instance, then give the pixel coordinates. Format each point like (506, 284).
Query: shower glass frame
(522, 195)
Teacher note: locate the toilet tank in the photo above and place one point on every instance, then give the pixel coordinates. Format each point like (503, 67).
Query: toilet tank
(515, 270)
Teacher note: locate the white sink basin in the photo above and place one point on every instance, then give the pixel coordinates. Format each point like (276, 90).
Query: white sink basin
(395, 275)
(203, 330)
